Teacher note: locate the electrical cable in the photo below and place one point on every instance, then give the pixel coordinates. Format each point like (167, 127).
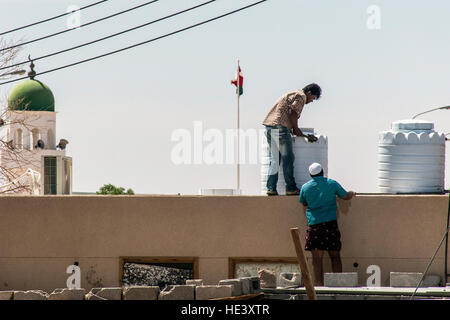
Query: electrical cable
(52, 18)
(140, 43)
(83, 25)
(110, 36)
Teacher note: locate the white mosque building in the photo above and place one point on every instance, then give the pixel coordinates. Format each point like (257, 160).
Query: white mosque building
(31, 161)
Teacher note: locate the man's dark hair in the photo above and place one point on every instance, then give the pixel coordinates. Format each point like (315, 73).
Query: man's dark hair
(316, 175)
(314, 89)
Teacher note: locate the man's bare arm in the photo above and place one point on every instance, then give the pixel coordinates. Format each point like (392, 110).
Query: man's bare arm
(349, 195)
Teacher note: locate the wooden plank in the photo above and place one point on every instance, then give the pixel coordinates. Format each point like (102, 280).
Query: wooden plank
(306, 275)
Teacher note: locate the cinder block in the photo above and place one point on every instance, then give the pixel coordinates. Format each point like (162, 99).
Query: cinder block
(246, 285)
(178, 292)
(236, 283)
(6, 295)
(250, 285)
(405, 279)
(290, 279)
(344, 279)
(267, 278)
(67, 294)
(30, 295)
(195, 282)
(255, 285)
(140, 293)
(431, 280)
(113, 293)
(212, 292)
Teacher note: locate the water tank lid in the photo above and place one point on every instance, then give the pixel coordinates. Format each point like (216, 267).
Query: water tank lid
(412, 124)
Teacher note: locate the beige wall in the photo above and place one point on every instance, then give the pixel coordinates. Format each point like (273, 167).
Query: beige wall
(40, 236)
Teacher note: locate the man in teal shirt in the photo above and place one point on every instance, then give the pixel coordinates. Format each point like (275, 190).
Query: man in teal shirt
(319, 197)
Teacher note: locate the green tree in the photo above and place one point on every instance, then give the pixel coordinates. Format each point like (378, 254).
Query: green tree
(112, 189)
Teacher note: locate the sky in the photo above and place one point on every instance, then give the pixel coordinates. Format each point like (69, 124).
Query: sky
(119, 113)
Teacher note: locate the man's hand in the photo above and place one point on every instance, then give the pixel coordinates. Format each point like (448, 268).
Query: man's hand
(298, 132)
(349, 195)
(311, 138)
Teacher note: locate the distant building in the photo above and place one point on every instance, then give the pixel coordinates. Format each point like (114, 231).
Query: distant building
(31, 159)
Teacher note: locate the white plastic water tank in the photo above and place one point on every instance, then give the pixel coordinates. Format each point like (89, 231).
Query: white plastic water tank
(305, 153)
(411, 158)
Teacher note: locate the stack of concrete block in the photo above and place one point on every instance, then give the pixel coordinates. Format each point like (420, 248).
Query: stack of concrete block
(140, 293)
(104, 294)
(236, 283)
(412, 279)
(67, 294)
(30, 295)
(213, 292)
(178, 292)
(343, 279)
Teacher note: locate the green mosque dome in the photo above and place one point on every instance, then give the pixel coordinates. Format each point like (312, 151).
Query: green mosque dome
(31, 95)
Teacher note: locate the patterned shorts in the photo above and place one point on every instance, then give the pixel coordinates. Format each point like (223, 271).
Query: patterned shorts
(323, 236)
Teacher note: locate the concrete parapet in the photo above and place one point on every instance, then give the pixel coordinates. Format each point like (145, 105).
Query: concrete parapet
(178, 292)
(344, 279)
(236, 283)
(113, 293)
(30, 295)
(140, 293)
(290, 279)
(67, 294)
(212, 292)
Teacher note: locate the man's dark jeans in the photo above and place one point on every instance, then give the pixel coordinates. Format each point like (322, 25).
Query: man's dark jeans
(280, 145)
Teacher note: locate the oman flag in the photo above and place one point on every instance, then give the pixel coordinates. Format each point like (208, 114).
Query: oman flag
(241, 82)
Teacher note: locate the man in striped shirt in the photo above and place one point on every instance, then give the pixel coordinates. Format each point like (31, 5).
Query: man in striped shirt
(281, 119)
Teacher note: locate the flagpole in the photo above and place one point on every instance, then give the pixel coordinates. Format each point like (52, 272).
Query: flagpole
(238, 133)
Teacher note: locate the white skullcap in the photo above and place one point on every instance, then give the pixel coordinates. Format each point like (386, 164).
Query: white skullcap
(315, 168)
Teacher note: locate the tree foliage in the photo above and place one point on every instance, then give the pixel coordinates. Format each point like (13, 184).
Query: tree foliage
(112, 189)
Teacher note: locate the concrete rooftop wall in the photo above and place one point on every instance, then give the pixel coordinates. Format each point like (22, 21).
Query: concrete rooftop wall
(40, 236)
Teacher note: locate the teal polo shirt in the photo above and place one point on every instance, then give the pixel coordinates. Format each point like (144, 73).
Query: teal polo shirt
(319, 195)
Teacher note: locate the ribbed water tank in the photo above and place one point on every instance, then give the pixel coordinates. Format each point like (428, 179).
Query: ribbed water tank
(411, 158)
(305, 153)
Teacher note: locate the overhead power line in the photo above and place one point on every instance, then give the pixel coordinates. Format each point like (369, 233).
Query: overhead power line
(83, 25)
(110, 36)
(52, 18)
(140, 43)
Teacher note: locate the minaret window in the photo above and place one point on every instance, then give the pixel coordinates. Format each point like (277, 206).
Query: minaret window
(18, 139)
